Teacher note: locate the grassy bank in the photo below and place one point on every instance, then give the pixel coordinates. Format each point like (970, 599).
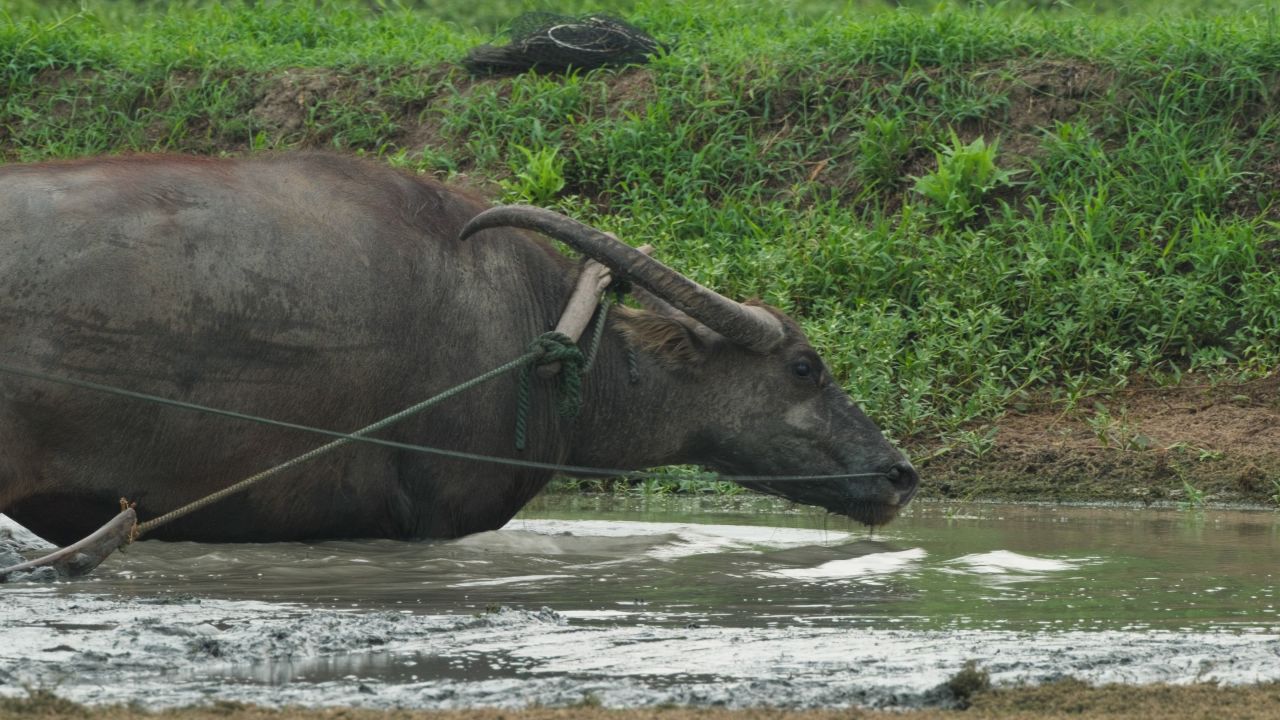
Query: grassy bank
(974, 211)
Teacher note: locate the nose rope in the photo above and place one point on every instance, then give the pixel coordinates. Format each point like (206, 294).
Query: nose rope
(425, 449)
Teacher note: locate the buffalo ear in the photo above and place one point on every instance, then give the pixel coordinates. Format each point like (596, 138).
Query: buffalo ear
(675, 342)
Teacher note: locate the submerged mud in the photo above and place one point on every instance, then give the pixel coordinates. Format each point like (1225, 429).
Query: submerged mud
(640, 609)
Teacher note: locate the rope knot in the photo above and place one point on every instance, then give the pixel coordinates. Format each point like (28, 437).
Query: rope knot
(555, 347)
(551, 347)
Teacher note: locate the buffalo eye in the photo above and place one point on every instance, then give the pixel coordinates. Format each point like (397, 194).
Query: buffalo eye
(801, 368)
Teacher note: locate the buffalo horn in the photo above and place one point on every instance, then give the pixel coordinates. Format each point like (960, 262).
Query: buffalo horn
(748, 325)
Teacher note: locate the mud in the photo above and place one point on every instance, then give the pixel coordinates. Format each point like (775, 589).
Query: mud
(629, 606)
(15, 542)
(99, 650)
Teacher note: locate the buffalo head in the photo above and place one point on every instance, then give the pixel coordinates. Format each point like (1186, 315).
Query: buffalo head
(743, 393)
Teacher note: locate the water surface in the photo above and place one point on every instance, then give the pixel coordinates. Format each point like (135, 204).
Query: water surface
(635, 601)
(752, 560)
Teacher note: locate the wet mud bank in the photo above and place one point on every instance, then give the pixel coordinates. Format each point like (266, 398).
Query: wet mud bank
(173, 653)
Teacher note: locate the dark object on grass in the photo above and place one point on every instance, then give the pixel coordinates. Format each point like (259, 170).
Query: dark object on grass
(556, 43)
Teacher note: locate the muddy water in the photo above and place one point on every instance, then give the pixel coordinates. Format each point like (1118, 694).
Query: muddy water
(637, 602)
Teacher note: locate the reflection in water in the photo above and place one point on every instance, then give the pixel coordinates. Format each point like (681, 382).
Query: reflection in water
(748, 562)
(386, 667)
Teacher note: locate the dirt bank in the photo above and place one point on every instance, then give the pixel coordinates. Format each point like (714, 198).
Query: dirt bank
(1197, 441)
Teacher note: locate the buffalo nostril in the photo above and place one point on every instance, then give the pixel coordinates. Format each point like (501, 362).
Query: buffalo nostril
(904, 479)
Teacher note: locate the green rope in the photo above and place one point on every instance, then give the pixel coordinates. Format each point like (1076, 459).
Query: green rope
(554, 347)
(551, 347)
(597, 334)
(442, 452)
(633, 366)
(334, 445)
(619, 288)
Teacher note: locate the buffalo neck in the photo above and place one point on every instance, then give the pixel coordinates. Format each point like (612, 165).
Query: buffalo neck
(631, 423)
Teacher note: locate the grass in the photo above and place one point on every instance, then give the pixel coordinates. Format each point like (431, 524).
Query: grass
(965, 205)
(1194, 499)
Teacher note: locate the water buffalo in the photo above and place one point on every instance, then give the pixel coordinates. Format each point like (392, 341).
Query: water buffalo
(331, 291)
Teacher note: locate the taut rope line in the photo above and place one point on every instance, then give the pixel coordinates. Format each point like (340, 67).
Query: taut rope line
(536, 354)
(426, 449)
(546, 349)
(172, 515)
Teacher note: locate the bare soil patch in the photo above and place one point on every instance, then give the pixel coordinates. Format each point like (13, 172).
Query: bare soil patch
(288, 99)
(1143, 444)
(630, 90)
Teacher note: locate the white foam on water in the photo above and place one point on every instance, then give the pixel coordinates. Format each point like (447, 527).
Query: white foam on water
(688, 538)
(885, 563)
(599, 614)
(513, 580)
(999, 562)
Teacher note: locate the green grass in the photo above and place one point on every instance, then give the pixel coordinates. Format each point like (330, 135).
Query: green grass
(963, 205)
